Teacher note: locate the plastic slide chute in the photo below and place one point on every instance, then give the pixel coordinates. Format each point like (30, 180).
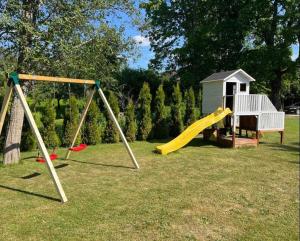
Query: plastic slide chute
(192, 131)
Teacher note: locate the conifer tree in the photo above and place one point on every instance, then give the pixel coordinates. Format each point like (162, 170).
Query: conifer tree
(92, 126)
(176, 115)
(161, 128)
(144, 106)
(71, 121)
(111, 132)
(50, 136)
(131, 126)
(190, 111)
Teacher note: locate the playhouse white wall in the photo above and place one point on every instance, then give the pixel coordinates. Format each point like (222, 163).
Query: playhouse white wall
(212, 96)
(239, 79)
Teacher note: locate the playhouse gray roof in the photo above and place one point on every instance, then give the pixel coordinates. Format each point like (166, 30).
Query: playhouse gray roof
(224, 75)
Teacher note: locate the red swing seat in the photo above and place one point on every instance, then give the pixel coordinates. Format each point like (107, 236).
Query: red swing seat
(53, 156)
(78, 148)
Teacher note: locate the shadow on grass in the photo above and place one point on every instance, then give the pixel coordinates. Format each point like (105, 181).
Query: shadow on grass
(100, 164)
(29, 193)
(289, 148)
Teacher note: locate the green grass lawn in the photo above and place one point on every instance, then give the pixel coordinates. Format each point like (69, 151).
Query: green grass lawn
(201, 192)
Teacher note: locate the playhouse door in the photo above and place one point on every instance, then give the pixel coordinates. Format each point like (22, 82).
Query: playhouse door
(230, 91)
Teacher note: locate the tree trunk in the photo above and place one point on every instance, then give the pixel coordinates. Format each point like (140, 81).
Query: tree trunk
(13, 137)
(276, 89)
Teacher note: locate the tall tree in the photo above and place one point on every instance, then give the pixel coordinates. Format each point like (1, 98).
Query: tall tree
(144, 111)
(161, 128)
(176, 112)
(131, 125)
(275, 26)
(41, 35)
(190, 111)
(111, 132)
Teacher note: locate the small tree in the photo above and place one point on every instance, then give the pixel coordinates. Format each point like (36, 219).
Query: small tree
(71, 120)
(111, 132)
(144, 106)
(190, 111)
(50, 136)
(160, 119)
(131, 126)
(92, 126)
(176, 115)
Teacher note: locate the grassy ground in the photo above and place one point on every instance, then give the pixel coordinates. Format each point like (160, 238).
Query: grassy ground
(201, 192)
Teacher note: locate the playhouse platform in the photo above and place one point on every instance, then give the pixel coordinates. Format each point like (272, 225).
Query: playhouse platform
(227, 141)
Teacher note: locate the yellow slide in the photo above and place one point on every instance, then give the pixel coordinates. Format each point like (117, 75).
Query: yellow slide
(192, 131)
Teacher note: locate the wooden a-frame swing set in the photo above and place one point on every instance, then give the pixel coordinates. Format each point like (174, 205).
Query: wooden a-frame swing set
(14, 84)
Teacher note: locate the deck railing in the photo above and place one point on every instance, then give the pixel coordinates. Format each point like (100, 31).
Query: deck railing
(249, 104)
(271, 121)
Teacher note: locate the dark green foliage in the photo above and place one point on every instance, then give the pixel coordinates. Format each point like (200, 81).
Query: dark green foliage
(190, 111)
(131, 126)
(176, 113)
(161, 128)
(93, 129)
(199, 102)
(111, 132)
(71, 121)
(144, 109)
(49, 134)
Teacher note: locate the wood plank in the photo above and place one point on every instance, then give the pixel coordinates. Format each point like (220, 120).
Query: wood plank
(41, 143)
(113, 118)
(83, 115)
(5, 105)
(55, 79)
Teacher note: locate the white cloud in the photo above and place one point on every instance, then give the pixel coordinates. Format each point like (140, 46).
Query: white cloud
(141, 40)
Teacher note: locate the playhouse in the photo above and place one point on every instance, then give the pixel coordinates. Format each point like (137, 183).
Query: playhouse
(227, 105)
(250, 112)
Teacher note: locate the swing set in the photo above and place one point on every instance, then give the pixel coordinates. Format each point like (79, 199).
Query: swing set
(13, 83)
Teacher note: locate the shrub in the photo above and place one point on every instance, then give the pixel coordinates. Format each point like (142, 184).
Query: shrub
(111, 132)
(190, 111)
(92, 127)
(49, 134)
(131, 126)
(71, 121)
(176, 115)
(144, 108)
(161, 128)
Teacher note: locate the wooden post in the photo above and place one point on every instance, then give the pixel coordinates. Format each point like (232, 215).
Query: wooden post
(281, 137)
(5, 105)
(41, 143)
(83, 115)
(233, 130)
(113, 118)
(257, 136)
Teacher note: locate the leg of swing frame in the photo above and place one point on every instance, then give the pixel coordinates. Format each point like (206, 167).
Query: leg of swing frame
(113, 118)
(4, 107)
(41, 144)
(83, 115)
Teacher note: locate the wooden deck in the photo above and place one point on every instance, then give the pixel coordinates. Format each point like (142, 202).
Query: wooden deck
(239, 142)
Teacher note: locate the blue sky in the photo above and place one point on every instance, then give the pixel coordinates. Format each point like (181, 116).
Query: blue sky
(143, 45)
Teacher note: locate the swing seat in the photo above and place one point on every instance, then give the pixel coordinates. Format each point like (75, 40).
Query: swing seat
(52, 158)
(78, 148)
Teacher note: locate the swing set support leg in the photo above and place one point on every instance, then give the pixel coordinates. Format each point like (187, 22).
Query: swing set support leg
(41, 144)
(83, 115)
(113, 118)
(5, 105)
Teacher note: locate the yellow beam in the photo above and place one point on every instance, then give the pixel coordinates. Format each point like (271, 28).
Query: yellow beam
(55, 79)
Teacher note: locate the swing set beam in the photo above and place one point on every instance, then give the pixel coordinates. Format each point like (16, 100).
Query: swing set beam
(14, 83)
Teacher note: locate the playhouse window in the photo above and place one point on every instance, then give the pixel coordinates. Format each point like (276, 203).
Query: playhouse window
(243, 87)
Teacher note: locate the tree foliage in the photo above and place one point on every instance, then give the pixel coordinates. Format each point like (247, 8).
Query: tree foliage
(144, 109)
(190, 110)
(49, 134)
(176, 112)
(71, 121)
(93, 128)
(131, 125)
(111, 132)
(161, 128)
